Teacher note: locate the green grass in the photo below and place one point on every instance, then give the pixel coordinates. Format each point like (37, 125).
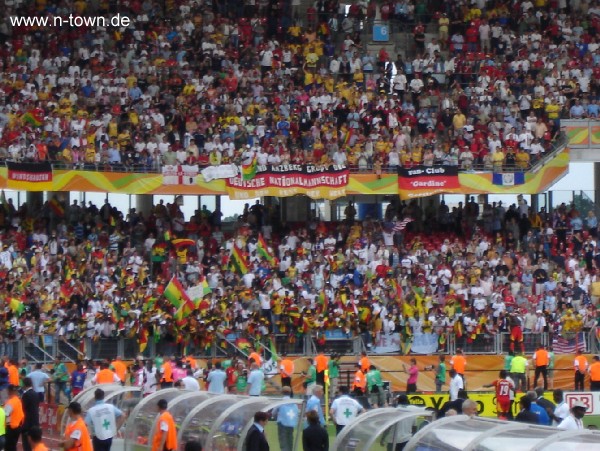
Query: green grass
(271, 432)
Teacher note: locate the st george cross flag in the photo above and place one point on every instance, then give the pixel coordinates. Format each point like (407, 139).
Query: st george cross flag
(508, 178)
(401, 225)
(179, 175)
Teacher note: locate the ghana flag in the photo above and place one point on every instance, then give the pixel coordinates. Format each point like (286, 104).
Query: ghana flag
(238, 261)
(263, 249)
(249, 170)
(176, 295)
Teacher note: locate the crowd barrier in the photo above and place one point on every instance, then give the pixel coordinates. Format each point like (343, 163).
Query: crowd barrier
(46, 348)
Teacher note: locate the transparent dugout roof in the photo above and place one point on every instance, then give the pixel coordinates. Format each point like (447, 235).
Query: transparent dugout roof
(142, 419)
(486, 434)
(229, 430)
(383, 426)
(123, 397)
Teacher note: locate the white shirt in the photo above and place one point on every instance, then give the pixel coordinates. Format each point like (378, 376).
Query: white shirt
(344, 409)
(561, 411)
(190, 383)
(102, 418)
(456, 384)
(571, 424)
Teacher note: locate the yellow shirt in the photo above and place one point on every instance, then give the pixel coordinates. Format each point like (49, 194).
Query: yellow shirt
(552, 110)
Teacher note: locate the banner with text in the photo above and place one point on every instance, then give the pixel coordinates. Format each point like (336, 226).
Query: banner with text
(316, 182)
(421, 181)
(29, 176)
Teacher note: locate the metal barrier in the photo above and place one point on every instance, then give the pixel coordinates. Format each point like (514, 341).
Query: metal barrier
(46, 348)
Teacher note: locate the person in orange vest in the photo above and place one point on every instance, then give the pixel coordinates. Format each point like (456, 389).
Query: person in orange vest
(364, 362)
(254, 356)
(359, 386)
(165, 435)
(166, 380)
(119, 367)
(541, 359)
(321, 364)
(14, 418)
(459, 363)
(286, 371)
(581, 367)
(34, 436)
(595, 374)
(13, 372)
(105, 375)
(77, 437)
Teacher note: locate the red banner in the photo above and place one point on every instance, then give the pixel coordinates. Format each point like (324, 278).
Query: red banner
(421, 181)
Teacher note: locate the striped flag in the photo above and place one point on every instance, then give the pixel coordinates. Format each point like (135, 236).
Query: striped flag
(176, 295)
(564, 345)
(249, 170)
(263, 250)
(238, 261)
(401, 225)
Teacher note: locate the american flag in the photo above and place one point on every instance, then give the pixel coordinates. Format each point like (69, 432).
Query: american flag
(401, 225)
(562, 345)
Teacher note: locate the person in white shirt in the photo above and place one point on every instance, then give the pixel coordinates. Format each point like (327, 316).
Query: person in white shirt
(344, 409)
(456, 384)
(574, 421)
(189, 382)
(561, 411)
(103, 421)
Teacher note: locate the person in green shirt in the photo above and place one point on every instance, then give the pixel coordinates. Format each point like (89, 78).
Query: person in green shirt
(311, 377)
(334, 374)
(61, 378)
(508, 360)
(375, 387)
(440, 374)
(241, 382)
(518, 372)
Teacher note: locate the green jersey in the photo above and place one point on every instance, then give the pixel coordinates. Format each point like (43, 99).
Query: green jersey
(241, 383)
(440, 374)
(334, 369)
(311, 376)
(374, 379)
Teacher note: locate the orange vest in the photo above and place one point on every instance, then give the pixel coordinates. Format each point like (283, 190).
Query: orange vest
(595, 372)
(287, 368)
(256, 357)
(40, 447)
(582, 363)
(82, 444)
(321, 362)
(105, 376)
(542, 358)
(360, 380)
(365, 364)
(459, 364)
(16, 416)
(120, 369)
(191, 362)
(13, 375)
(171, 441)
(167, 372)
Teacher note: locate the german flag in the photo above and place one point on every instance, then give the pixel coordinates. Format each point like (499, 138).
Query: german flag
(29, 176)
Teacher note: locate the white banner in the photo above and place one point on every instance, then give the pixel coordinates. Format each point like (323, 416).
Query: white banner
(179, 175)
(196, 292)
(223, 171)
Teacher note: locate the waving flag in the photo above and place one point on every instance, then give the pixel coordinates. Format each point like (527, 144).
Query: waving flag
(17, 306)
(263, 249)
(238, 261)
(249, 170)
(401, 225)
(176, 295)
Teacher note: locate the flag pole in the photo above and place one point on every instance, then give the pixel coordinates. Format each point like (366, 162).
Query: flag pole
(326, 396)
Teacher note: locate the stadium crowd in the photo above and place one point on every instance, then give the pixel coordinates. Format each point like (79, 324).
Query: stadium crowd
(215, 82)
(95, 273)
(212, 82)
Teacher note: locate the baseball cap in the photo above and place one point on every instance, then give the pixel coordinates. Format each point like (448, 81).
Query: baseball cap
(578, 404)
